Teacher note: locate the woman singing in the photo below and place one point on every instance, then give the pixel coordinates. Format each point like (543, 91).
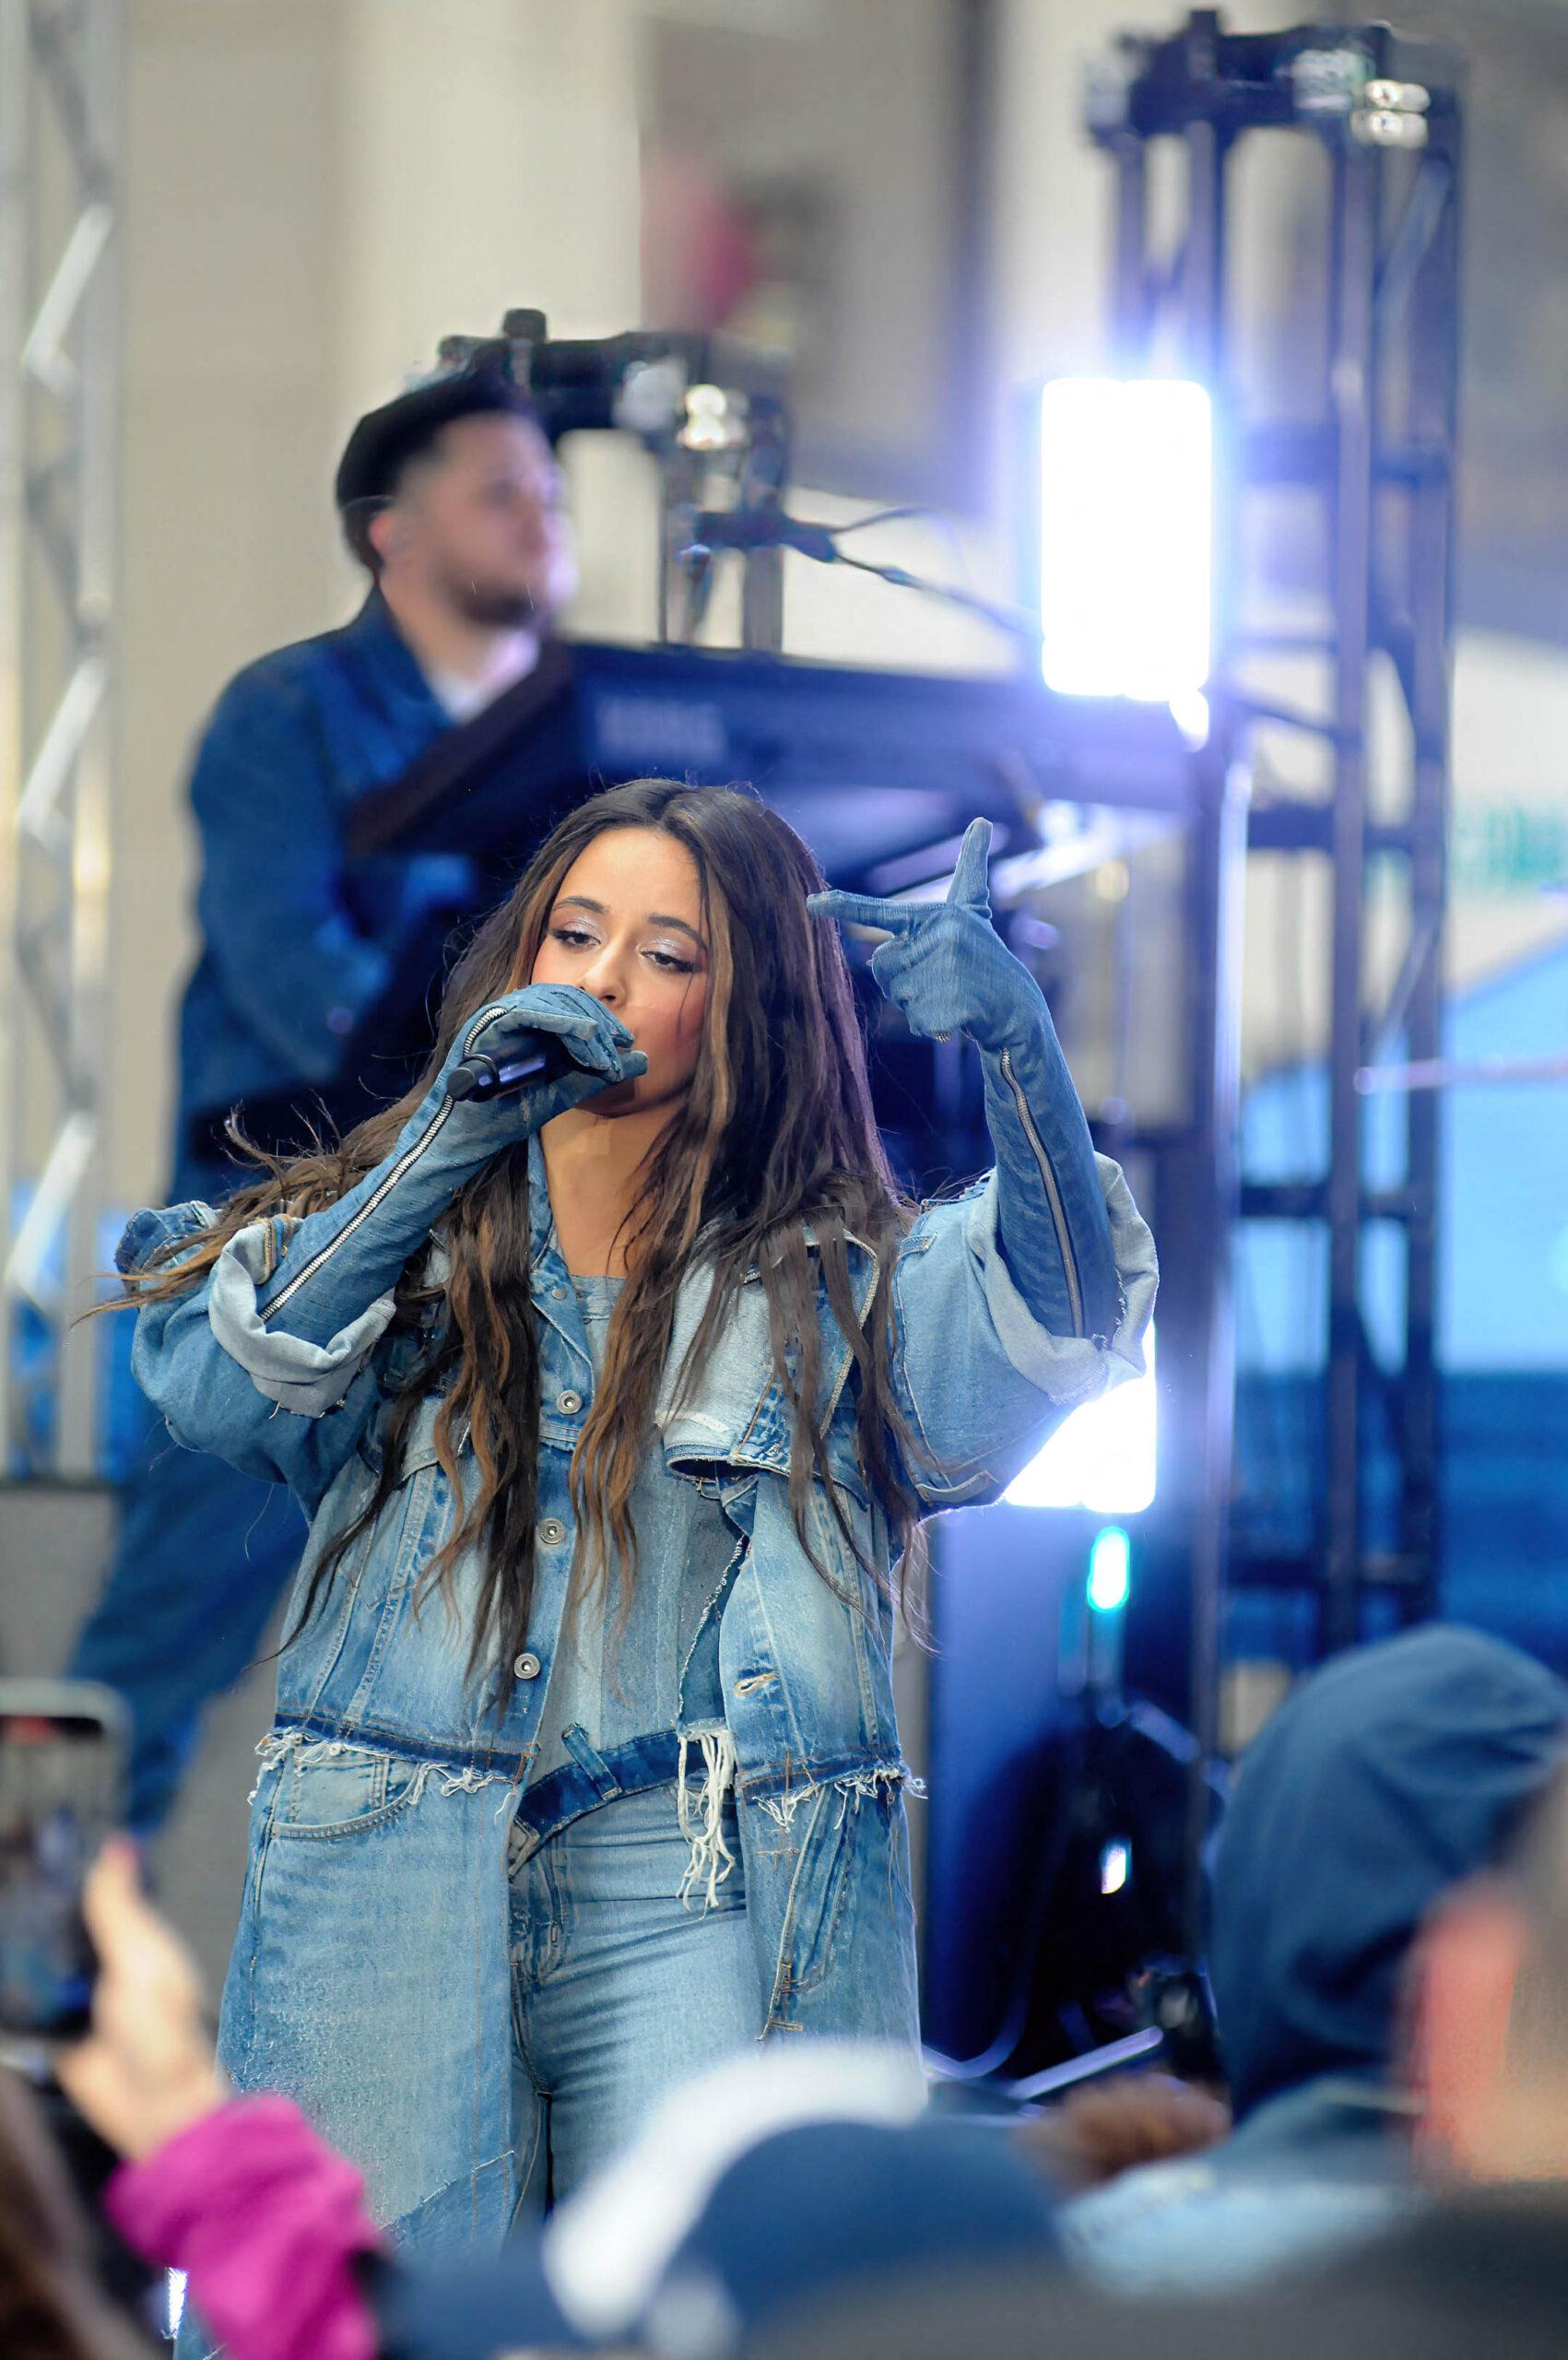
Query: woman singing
(616, 1402)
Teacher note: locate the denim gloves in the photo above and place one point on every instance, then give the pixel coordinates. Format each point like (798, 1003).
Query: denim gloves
(948, 972)
(347, 1256)
(598, 1044)
(946, 968)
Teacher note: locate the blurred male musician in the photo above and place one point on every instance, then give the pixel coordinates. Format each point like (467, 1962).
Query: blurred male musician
(309, 995)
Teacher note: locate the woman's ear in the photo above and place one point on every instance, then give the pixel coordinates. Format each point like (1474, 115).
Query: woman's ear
(1464, 1971)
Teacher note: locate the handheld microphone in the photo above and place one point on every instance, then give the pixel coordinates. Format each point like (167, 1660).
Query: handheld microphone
(537, 1056)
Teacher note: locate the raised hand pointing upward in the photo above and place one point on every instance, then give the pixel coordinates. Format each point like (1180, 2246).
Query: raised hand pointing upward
(944, 965)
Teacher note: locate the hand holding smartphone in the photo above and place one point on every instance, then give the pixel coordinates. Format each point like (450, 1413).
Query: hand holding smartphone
(145, 2070)
(95, 1989)
(62, 1751)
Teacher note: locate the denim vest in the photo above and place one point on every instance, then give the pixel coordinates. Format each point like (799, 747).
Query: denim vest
(380, 1823)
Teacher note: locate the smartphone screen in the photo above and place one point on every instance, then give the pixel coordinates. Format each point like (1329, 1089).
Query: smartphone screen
(59, 1798)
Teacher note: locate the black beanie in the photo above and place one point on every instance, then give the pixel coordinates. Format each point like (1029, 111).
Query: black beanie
(387, 438)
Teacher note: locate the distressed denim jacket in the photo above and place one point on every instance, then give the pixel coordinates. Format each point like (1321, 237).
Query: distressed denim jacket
(372, 1944)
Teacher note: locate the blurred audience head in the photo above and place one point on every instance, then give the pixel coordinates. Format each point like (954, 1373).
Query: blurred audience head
(1390, 1776)
(1491, 2035)
(452, 493)
(51, 2305)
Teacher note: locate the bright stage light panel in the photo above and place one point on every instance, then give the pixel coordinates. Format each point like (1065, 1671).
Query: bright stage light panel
(1102, 1458)
(1126, 477)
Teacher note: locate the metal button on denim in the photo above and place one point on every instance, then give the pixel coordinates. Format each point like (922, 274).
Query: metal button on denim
(552, 1532)
(557, 1294)
(569, 1403)
(527, 1666)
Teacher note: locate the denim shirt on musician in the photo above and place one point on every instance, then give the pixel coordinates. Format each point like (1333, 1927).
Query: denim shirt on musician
(371, 1956)
(298, 942)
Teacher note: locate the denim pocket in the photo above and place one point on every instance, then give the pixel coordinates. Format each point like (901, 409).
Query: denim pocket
(817, 1896)
(848, 1923)
(333, 1789)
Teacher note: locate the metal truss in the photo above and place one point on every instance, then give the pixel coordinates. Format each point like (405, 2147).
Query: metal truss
(1376, 464)
(60, 117)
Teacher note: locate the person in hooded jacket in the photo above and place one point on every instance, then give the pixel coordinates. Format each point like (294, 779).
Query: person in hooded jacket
(1390, 1776)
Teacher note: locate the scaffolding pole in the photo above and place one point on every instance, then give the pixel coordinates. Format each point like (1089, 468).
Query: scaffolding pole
(1379, 464)
(61, 78)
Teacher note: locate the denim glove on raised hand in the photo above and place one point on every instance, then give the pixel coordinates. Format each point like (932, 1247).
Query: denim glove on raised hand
(348, 1257)
(948, 970)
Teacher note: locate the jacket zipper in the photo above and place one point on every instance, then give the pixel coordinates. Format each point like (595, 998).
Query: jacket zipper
(1053, 1194)
(410, 1156)
(404, 1163)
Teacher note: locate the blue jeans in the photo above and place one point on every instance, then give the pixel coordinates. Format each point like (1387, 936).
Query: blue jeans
(619, 1990)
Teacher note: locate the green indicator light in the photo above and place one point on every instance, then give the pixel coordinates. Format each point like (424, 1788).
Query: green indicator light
(1109, 1570)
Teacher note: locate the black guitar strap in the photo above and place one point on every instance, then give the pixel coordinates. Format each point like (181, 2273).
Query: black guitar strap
(460, 759)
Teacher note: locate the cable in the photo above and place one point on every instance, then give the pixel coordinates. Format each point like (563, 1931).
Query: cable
(913, 512)
(1019, 621)
(878, 516)
(749, 529)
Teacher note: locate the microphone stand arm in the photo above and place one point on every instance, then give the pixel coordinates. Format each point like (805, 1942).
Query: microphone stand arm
(820, 543)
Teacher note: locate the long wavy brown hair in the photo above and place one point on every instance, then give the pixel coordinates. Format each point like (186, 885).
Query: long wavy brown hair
(774, 1138)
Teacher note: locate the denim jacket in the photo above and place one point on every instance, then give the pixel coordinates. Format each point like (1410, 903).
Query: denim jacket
(375, 1894)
